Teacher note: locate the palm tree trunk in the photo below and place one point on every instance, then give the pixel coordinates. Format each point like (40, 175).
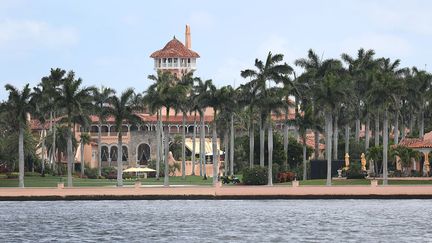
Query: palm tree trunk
(166, 149)
(421, 124)
(396, 128)
(232, 146)
(158, 146)
(357, 130)
(214, 148)
(328, 126)
(21, 156)
(285, 140)
(385, 147)
(411, 123)
(402, 127)
(43, 151)
(69, 156)
(251, 143)
(82, 159)
(202, 146)
(54, 145)
(262, 140)
(120, 159)
(335, 138)
(193, 146)
(367, 135)
(270, 154)
(184, 146)
(316, 143)
(226, 148)
(377, 138)
(347, 141)
(304, 160)
(99, 148)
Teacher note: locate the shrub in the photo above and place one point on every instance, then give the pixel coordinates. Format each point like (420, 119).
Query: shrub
(91, 173)
(31, 173)
(275, 170)
(255, 176)
(354, 171)
(12, 175)
(108, 170)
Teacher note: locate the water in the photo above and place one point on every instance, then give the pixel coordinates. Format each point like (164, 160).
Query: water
(217, 221)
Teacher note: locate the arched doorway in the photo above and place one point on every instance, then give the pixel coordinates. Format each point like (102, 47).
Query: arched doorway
(143, 154)
(125, 154)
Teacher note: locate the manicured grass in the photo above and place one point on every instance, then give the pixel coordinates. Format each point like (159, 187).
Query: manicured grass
(362, 182)
(51, 181)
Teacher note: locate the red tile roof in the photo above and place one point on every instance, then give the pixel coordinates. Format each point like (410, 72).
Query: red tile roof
(174, 48)
(425, 142)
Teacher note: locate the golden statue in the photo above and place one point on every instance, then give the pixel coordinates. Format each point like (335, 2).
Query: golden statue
(347, 161)
(363, 162)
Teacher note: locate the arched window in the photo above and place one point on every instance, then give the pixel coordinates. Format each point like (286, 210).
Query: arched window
(114, 153)
(104, 130)
(133, 128)
(143, 154)
(94, 130)
(104, 153)
(125, 154)
(113, 130)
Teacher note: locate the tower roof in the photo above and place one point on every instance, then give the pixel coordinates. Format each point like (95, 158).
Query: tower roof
(174, 48)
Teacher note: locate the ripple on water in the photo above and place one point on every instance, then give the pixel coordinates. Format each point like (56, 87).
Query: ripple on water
(222, 220)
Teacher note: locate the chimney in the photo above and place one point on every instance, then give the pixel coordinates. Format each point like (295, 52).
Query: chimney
(187, 37)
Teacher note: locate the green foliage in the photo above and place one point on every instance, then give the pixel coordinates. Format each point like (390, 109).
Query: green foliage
(354, 171)
(91, 173)
(171, 169)
(355, 149)
(295, 154)
(255, 176)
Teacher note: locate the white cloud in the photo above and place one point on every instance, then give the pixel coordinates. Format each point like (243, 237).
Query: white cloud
(29, 34)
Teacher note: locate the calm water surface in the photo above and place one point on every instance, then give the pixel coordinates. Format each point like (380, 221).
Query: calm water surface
(217, 221)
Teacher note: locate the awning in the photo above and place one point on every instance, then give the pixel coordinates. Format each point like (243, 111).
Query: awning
(138, 169)
(207, 145)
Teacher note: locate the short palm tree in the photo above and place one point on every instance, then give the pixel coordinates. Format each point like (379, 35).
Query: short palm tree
(122, 111)
(19, 105)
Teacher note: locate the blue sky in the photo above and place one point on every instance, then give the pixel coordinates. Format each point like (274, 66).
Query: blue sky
(109, 42)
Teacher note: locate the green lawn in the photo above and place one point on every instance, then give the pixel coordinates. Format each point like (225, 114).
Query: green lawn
(51, 181)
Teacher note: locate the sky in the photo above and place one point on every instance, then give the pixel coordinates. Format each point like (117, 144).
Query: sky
(109, 42)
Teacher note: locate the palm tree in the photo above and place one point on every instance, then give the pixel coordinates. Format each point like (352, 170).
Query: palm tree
(85, 139)
(271, 70)
(72, 98)
(386, 84)
(359, 69)
(182, 105)
(19, 105)
(201, 97)
(100, 101)
(326, 90)
(49, 85)
(40, 109)
(304, 122)
(155, 98)
(121, 110)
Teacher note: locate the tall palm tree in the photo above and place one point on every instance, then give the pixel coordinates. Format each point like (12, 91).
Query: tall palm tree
(121, 110)
(155, 99)
(49, 85)
(72, 99)
(271, 70)
(359, 69)
(326, 89)
(19, 105)
(385, 84)
(182, 105)
(40, 107)
(100, 101)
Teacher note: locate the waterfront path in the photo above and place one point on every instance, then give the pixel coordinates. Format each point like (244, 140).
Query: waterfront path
(218, 192)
